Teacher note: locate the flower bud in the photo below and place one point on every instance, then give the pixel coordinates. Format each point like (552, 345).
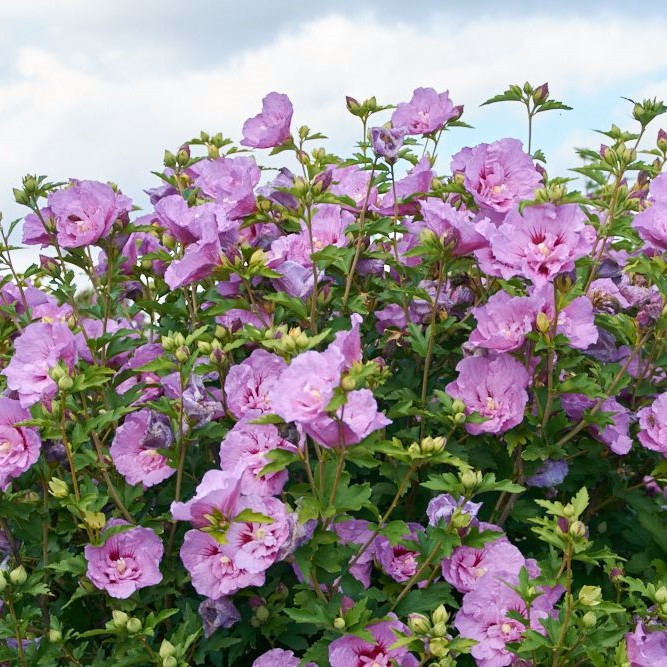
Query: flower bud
(662, 140)
(590, 619)
(167, 343)
(302, 340)
(262, 613)
(590, 596)
(120, 618)
(541, 93)
(542, 322)
(182, 354)
(348, 383)
(439, 630)
(459, 418)
(18, 576)
(3, 582)
(204, 347)
(663, 608)
(169, 159)
(458, 406)
(470, 479)
(352, 105)
(65, 383)
(577, 529)
(419, 624)
(440, 615)
(568, 510)
(94, 520)
(58, 488)
(55, 635)
(170, 661)
(133, 625)
(438, 646)
(661, 595)
(339, 623)
(167, 648)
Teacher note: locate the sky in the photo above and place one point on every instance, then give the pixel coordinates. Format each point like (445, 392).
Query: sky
(99, 89)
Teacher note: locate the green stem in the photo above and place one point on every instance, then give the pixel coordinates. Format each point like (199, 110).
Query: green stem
(417, 575)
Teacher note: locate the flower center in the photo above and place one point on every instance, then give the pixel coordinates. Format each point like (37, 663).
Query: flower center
(491, 404)
(225, 560)
(543, 249)
(5, 446)
(120, 565)
(506, 628)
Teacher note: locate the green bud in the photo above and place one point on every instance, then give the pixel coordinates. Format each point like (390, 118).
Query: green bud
(348, 383)
(661, 595)
(527, 88)
(439, 647)
(18, 576)
(65, 383)
(56, 373)
(55, 635)
(590, 596)
(167, 343)
(578, 529)
(220, 332)
(440, 630)
(179, 340)
(254, 621)
(339, 623)
(167, 648)
(663, 608)
(3, 582)
(30, 185)
(169, 159)
(460, 418)
(120, 618)
(133, 625)
(458, 406)
(471, 479)
(590, 619)
(170, 661)
(58, 488)
(543, 323)
(302, 340)
(262, 613)
(21, 197)
(204, 347)
(419, 624)
(182, 354)
(568, 510)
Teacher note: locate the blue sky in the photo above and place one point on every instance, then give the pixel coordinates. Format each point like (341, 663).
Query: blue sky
(99, 89)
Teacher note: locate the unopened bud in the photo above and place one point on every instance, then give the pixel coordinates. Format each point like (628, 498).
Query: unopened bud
(167, 648)
(170, 661)
(65, 383)
(133, 625)
(542, 322)
(220, 332)
(568, 510)
(169, 159)
(661, 595)
(471, 479)
(438, 646)
(262, 613)
(439, 630)
(348, 383)
(302, 340)
(459, 418)
(458, 406)
(662, 140)
(590, 619)
(3, 582)
(55, 635)
(440, 615)
(339, 623)
(419, 624)
(590, 596)
(182, 354)
(18, 576)
(58, 488)
(94, 520)
(204, 347)
(578, 529)
(120, 618)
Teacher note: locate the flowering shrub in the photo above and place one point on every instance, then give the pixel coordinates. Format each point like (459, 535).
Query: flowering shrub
(375, 412)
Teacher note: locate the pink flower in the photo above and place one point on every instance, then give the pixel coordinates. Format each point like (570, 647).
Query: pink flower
(278, 657)
(351, 651)
(467, 565)
(348, 342)
(454, 227)
(230, 182)
(483, 617)
(646, 649)
(444, 505)
(412, 187)
(651, 224)
(248, 384)
(39, 349)
(653, 425)
(353, 422)
(399, 561)
(19, 445)
(493, 386)
(328, 226)
(213, 567)
(271, 127)
(85, 211)
(615, 436)
(135, 446)
(306, 386)
(426, 112)
(257, 544)
(499, 175)
(503, 322)
(356, 531)
(126, 562)
(243, 452)
(538, 244)
(352, 182)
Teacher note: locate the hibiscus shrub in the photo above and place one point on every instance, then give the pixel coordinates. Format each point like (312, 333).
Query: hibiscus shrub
(366, 414)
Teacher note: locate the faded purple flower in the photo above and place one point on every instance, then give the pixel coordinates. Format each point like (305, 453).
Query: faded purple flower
(271, 127)
(19, 445)
(399, 561)
(218, 614)
(387, 142)
(126, 562)
(444, 505)
(549, 474)
(278, 657)
(651, 224)
(426, 112)
(646, 649)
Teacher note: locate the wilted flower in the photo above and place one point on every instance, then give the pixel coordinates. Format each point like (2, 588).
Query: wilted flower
(426, 112)
(271, 127)
(387, 142)
(218, 614)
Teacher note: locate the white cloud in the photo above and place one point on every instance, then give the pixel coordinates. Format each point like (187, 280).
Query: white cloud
(62, 117)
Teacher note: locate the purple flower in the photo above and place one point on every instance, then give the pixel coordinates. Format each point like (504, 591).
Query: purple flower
(279, 657)
(426, 112)
(416, 183)
(306, 386)
(499, 175)
(549, 474)
(257, 544)
(615, 436)
(503, 322)
(126, 562)
(243, 452)
(85, 211)
(200, 403)
(493, 386)
(248, 384)
(538, 244)
(351, 651)
(452, 226)
(348, 342)
(230, 182)
(353, 422)
(39, 349)
(387, 142)
(328, 226)
(646, 649)
(398, 561)
(271, 127)
(651, 224)
(36, 232)
(352, 182)
(356, 531)
(218, 614)
(135, 446)
(466, 566)
(653, 425)
(19, 445)
(443, 506)
(213, 567)
(199, 261)
(483, 617)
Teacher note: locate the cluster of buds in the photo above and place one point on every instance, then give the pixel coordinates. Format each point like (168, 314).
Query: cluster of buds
(618, 157)
(122, 621)
(17, 577)
(175, 342)
(61, 377)
(432, 631)
(427, 447)
(458, 411)
(470, 481)
(286, 341)
(553, 193)
(168, 654)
